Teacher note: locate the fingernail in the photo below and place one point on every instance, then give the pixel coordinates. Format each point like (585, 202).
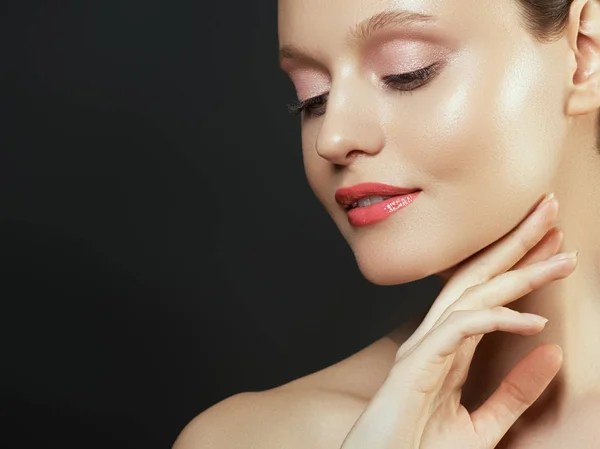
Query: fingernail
(555, 229)
(547, 198)
(534, 318)
(562, 256)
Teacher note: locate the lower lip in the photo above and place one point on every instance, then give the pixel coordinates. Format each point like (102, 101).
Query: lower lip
(363, 216)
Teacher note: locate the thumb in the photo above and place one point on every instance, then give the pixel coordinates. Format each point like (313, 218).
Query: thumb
(521, 387)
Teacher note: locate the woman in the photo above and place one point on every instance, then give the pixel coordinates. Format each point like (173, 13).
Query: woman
(467, 112)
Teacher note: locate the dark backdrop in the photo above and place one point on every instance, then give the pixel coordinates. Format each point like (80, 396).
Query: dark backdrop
(161, 249)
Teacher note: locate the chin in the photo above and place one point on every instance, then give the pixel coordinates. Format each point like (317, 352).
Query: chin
(395, 266)
(389, 277)
(382, 271)
(420, 245)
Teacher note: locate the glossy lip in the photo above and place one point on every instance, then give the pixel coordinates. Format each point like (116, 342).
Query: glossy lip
(347, 196)
(368, 215)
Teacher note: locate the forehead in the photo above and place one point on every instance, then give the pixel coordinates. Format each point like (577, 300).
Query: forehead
(318, 22)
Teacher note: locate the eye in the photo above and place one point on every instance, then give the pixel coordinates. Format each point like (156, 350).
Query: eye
(409, 81)
(314, 106)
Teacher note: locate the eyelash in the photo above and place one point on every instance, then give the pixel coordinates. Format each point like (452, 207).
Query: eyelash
(421, 76)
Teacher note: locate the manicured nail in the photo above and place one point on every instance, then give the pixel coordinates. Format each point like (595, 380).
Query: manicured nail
(534, 318)
(562, 256)
(547, 198)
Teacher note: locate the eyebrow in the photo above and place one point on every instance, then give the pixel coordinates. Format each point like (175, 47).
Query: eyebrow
(388, 19)
(367, 28)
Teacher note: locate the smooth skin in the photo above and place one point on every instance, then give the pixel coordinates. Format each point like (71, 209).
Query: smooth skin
(418, 406)
(504, 120)
(418, 403)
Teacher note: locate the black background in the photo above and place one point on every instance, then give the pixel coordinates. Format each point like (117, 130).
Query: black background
(161, 249)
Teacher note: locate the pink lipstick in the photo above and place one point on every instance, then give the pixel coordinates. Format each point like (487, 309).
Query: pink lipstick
(369, 203)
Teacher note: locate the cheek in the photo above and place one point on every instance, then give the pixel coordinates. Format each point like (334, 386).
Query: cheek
(484, 146)
(492, 127)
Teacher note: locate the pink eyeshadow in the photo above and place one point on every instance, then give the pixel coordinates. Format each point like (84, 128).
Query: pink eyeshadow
(400, 56)
(309, 83)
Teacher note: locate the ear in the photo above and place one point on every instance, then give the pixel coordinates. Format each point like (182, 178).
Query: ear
(583, 34)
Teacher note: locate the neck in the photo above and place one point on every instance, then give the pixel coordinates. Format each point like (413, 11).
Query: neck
(572, 306)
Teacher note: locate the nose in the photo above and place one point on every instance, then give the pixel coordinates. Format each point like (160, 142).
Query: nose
(351, 125)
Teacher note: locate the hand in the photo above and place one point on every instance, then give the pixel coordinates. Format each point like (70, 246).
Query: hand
(531, 241)
(418, 405)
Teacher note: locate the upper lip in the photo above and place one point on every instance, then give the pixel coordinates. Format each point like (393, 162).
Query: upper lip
(346, 196)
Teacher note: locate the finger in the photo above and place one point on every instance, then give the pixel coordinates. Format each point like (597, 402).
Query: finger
(512, 285)
(425, 366)
(455, 274)
(495, 259)
(459, 371)
(447, 338)
(518, 391)
(499, 292)
(504, 253)
(546, 248)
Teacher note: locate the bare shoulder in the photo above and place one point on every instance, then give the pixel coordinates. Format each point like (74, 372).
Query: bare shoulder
(315, 411)
(282, 417)
(361, 374)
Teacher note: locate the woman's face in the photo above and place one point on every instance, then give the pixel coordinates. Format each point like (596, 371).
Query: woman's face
(481, 137)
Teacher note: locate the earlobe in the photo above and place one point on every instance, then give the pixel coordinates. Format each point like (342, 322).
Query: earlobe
(583, 31)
